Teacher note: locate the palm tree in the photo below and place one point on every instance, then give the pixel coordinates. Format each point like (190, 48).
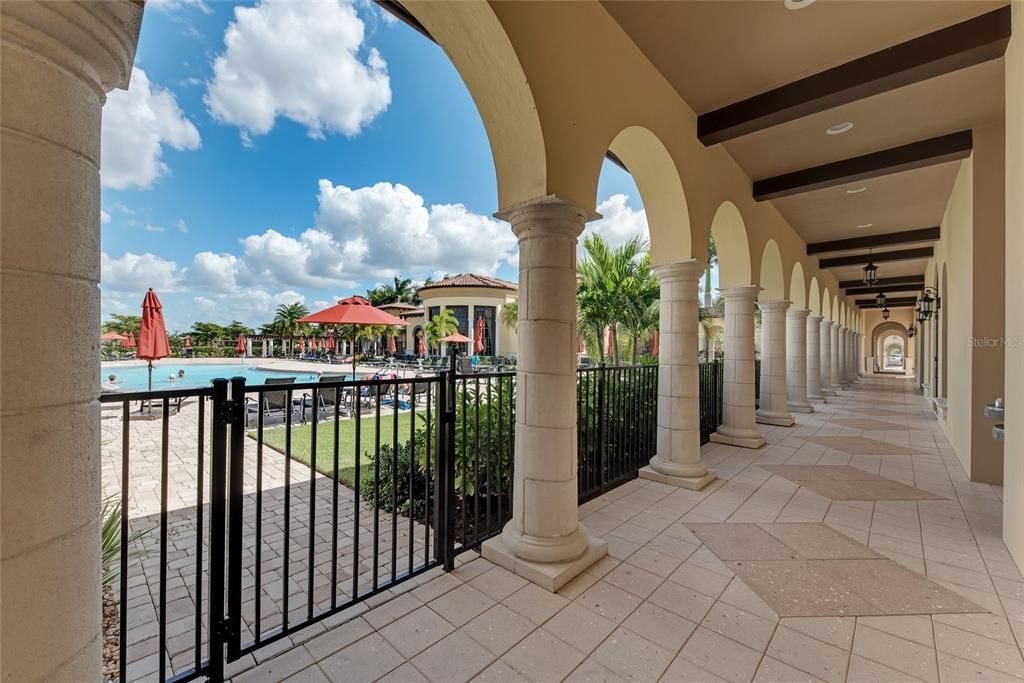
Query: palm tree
(614, 289)
(510, 314)
(440, 326)
(286, 319)
(712, 262)
(401, 291)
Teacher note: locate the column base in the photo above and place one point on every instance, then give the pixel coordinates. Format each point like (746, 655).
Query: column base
(774, 418)
(691, 483)
(744, 438)
(836, 388)
(800, 407)
(816, 398)
(548, 575)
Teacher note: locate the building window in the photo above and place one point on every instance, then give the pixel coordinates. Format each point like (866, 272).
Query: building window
(432, 311)
(488, 315)
(461, 314)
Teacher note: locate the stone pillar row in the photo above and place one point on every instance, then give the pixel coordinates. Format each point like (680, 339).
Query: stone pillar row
(834, 376)
(544, 541)
(814, 358)
(738, 426)
(58, 61)
(773, 409)
(843, 360)
(677, 461)
(825, 357)
(797, 361)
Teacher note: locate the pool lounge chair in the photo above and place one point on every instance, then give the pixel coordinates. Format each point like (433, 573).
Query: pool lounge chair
(327, 397)
(270, 402)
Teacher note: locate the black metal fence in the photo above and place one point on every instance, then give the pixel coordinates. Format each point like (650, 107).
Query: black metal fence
(711, 376)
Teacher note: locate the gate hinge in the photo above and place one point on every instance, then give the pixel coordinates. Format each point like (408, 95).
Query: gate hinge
(228, 409)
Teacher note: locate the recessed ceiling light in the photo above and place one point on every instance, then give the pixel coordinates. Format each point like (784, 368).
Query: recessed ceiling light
(797, 4)
(839, 128)
(856, 190)
(865, 225)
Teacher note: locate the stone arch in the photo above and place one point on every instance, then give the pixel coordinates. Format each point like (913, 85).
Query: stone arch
(835, 308)
(814, 297)
(730, 235)
(797, 287)
(883, 330)
(826, 305)
(491, 70)
(661, 190)
(772, 278)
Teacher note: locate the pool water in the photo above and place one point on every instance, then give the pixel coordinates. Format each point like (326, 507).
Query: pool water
(136, 378)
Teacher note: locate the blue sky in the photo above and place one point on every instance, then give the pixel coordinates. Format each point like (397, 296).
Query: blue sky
(273, 152)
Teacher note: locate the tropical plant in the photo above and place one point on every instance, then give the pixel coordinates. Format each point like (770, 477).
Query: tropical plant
(400, 291)
(510, 314)
(122, 324)
(440, 326)
(712, 263)
(286, 319)
(110, 538)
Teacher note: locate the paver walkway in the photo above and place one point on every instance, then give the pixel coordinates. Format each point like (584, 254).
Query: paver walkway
(664, 606)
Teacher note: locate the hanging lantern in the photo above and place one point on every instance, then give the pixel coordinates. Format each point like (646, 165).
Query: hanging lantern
(870, 274)
(885, 313)
(880, 299)
(911, 331)
(927, 304)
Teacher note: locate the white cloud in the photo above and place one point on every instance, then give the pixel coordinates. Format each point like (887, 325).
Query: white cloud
(137, 272)
(175, 5)
(301, 61)
(148, 227)
(137, 124)
(181, 225)
(619, 223)
(213, 272)
(104, 216)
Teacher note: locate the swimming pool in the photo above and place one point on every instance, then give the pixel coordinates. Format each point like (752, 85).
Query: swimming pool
(136, 378)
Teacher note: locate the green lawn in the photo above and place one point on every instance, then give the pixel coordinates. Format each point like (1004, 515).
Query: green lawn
(302, 437)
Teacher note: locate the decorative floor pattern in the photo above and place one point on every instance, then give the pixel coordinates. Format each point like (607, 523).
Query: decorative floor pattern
(861, 445)
(871, 425)
(841, 482)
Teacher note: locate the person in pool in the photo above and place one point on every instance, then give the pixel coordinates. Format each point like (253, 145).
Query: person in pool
(112, 379)
(181, 374)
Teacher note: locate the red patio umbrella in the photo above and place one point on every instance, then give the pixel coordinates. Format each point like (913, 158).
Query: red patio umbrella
(609, 349)
(579, 344)
(188, 342)
(330, 340)
(113, 337)
(392, 348)
(421, 347)
(240, 345)
(152, 334)
(656, 344)
(130, 343)
(353, 311)
(478, 335)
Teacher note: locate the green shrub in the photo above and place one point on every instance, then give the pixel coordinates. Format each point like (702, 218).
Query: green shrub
(394, 488)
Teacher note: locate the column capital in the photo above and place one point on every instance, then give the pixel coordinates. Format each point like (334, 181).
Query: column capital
(548, 214)
(776, 305)
(798, 313)
(737, 293)
(835, 324)
(814, 318)
(689, 270)
(96, 41)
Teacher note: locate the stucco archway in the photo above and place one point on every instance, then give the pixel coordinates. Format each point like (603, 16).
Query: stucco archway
(491, 70)
(798, 287)
(814, 296)
(772, 278)
(730, 235)
(826, 305)
(661, 190)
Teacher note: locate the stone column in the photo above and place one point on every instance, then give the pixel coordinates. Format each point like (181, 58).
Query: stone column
(678, 460)
(860, 354)
(813, 360)
(851, 352)
(544, 541)
(773, 408)
(843, 359)
(796, 361)
(59, 59)
(738, 420)
(834, 375)
(825, 358)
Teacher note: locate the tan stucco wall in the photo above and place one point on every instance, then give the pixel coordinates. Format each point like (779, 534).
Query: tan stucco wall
(474, 296)
(970, 254)
(1013, 466)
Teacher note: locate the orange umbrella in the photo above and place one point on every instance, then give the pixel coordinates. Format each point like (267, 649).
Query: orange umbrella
(113, 337)
(240, 346)
(152, 334)
(609, 350)
(330, 340)
(656, 344)
(457, 338)
(353, 311)
(421, 348)
(392, 348)
(188, 342)
(579, 344)
(478, 335)
(130, 342)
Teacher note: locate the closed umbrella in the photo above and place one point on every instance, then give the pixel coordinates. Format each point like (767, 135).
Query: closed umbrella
(478, 335)
(152, 334)
(655, 344)
(609, 350)
(353, 311)
(130, 342)
(188, 342)
(579, 344)
(421, 347)
(330, 341)
(392, 347)
(240, 345)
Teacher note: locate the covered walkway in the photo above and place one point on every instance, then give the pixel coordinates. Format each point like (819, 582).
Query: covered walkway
(851, 547)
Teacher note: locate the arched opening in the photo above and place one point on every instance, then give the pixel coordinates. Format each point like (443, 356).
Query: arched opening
(883, 337)
(814, 297)
(772, 278)
(798, 288)
(893, 354)
(826, 305)
(732, 247)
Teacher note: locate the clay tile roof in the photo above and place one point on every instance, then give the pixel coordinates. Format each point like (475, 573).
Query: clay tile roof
(399, 305)
(472, 280)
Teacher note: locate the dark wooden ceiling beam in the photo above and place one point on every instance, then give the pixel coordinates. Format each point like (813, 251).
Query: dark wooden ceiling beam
(950, 49)
(884, 240)
(906, 304)
(895, 280)
(881, 257)
(884, 289)
(891, 303)
(873, 165)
